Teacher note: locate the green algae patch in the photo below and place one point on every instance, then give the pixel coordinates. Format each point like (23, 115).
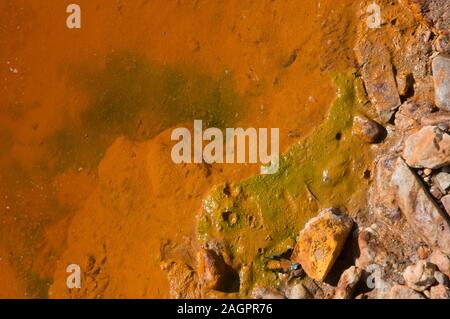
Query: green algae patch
(259, 218)
(133, 96)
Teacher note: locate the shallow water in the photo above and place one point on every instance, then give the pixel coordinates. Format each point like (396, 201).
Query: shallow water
(85, 120)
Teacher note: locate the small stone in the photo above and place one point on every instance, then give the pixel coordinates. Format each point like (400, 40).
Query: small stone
(321, 242)
(441, 261)
(266, 293)
(297, 291)
(423, 252)
(443, 182)
(403, 292)
(347, 283)
(434, 190)
(213, 272)
(420, 276)
(427, 148)
(439, 292)
(368, 130)
(405, 83)
(446, 203)
(441, 76)
(427, 171)
(442, 44)
(441, 278)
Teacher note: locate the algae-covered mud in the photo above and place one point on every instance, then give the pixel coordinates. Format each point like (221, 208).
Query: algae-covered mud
(108, 188)
(257, 219)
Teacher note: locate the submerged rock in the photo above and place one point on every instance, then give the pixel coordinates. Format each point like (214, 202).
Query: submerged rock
(321, 242)
(441, 76)
(427, 148)
(420, 276)
(422, 213)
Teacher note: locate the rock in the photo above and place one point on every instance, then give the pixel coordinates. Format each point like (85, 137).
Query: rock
(378, 77)
(297, 291)
(423, 252)
(441, 77)
(405, 83)
(427, 148)
(435, 192)
(422, 213)
(213, 272)
(427, 171)
(441, 261)
(436, 119)
(347, 283)
(439, 292)
(443, 181)
(446, 203)
(367, 130)
(321, 242)
(420, 276)
(266, 293)
(434, 13)
(442, 43)
(403, 292)
(441, 278)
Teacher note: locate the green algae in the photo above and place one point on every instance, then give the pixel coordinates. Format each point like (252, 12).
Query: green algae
(139, 98)
(251, 220)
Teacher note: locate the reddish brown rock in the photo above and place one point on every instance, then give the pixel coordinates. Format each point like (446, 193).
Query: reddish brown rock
(213, 272)
(427, 148)
(321, 242)
(349, 279)
(422, 213)
(379, 80)
(367, 130)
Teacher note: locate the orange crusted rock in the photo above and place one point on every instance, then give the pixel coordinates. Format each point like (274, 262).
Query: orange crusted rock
(321, 242)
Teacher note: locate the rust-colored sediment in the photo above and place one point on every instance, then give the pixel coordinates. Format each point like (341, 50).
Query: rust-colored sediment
(85, 169)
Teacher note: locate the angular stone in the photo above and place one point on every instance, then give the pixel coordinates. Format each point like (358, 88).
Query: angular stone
(321, 242)
(427, 148)
(213, 272)
(420, 276)
(441, 261)
(443, 181)
(403, 292)
(379, 80)
(367, 130)
(446, 203)
(441, 77)
(435, 119)
(349, 279)
(422, 213)
(439, 292)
